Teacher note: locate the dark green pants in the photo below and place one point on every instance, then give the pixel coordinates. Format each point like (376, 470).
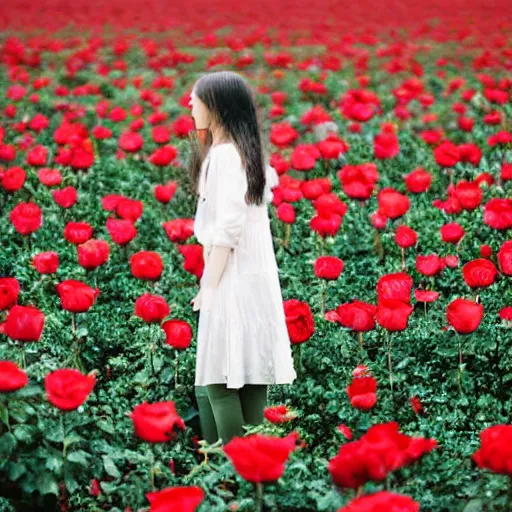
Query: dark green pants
(223, 411)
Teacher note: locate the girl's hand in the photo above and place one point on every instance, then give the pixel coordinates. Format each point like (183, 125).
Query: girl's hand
(196, 301)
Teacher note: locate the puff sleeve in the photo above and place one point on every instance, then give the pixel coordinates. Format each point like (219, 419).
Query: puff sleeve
(229, 186)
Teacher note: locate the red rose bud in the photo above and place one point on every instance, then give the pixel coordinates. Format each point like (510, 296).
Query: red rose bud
(178, 333)
(68, 388)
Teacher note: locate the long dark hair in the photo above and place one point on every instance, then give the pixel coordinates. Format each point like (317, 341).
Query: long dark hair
(231, 103)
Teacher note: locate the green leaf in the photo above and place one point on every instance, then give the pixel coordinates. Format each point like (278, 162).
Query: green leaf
(71, 439)
(4, 414)
(71, 483)
(47, 484)
(110, 467)
(474, 506)
(79, 457)
(106, 426)
(24, 433)
(16, 470)
(108, 487)
(54, 463)
(7, 444)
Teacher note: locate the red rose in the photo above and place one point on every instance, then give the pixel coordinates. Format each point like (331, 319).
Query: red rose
(395, 286)
(464, 315)
(260, 458)
(26, 218)
(385, 145)
(283, 134)
(393, 314)
(77, 232)
(469, 195)
(495, 452)
(446, 154)
(279, 414)
(498, 213)
(46, 262)
(479, 273)
(356, 315)
(179, 230)
(178, 333)
(131, 142)
(378, 452)
(163, 156)
(485, 251)
(37, 156)
(505, 258)
(418, 181)
(12, 377)
(93, 253)
(49, 177)
(405, 237)
(304, 157)
(156, 422)
(23, 323)
(120, 230)
(425, 295)
(151, 308)
(9, 291)
(383, 500)
(129, 209)
(358, 181)
(76, 296)
(182, 499)
(299, 321)
(392, 203)
(452, 232)
(68, 388)
(193, 258)
(328, 267)
(65, 197)
(429, 265)
(13, 179)
(164, 193)
(146, 265)
(362, 392)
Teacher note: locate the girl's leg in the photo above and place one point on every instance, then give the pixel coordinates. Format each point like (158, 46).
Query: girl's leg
(253, 398)
(206, 418)
(227, 411)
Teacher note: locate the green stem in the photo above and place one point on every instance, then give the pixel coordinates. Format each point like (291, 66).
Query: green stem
(390, 364)
(259, 497)
(324, 295)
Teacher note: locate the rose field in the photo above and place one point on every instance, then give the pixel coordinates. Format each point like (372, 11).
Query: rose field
(390, 127)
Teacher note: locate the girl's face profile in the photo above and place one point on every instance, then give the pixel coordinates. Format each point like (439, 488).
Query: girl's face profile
(199, 112)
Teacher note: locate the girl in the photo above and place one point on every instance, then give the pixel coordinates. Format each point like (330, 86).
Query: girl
(242, 340)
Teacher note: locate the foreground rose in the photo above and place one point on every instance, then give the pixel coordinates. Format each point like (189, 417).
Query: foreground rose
(382, 501)
(495, 452)
(260, 458)
(151, 308)
(76, 296)
(178, 499)
(362, 392)
(23, 323)
(464, 315)
(378, 452)
(68, 388)
(279, 414)
(146, 265)
(12, 377)
(26, 218)
(9, 291)
(178, 333)
(156, 422)
(299, 321)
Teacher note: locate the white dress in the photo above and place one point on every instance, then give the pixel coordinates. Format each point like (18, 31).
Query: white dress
(243, 338)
